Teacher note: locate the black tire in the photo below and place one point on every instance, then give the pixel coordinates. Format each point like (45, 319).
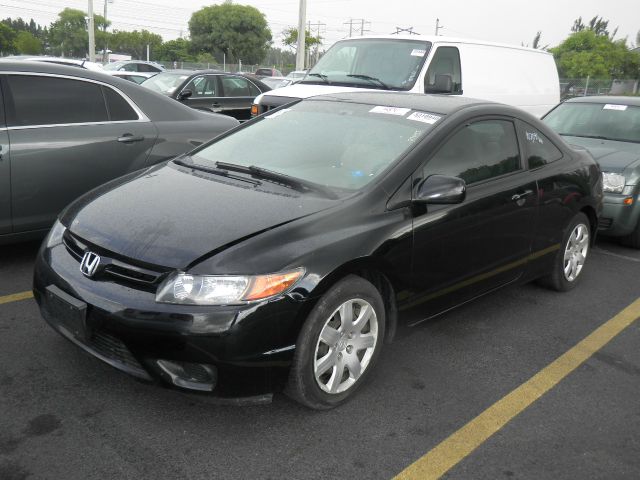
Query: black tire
(633, 239)
(557, 279)
(302, 385)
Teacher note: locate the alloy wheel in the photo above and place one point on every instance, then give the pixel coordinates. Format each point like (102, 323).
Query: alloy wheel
(575, 252)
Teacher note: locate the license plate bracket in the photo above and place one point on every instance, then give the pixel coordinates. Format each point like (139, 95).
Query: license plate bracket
(70, 312)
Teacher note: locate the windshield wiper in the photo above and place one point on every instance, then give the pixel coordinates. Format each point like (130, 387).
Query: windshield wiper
(213, 170)
(599, 137)
(371, 79)
(277, 177)
(324, 78)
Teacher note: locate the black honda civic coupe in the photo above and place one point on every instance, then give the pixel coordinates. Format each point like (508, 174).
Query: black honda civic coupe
(238, 273)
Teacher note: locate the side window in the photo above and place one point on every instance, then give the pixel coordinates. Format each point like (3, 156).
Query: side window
(539, 149)
(42, 100)
(119, 109)
(478, 152)
(253, 90)
(130, 67)
(443, 75)
(202, 87)
(235, 86)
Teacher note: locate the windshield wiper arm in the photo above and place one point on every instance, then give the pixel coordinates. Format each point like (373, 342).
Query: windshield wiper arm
(213, 170)
(324, 78)
(600, 137)
(281, 178)
(371, 79)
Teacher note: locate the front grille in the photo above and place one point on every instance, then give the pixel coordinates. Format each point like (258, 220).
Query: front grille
(605, 223)
(114, 267)
(112, 348)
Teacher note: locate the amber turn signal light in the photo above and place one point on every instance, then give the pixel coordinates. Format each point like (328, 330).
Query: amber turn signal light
(254, 110)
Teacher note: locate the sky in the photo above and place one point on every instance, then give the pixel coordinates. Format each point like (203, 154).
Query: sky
(512, 22)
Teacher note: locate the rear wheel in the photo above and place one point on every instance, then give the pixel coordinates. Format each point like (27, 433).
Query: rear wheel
(572, 256)
(338, 344)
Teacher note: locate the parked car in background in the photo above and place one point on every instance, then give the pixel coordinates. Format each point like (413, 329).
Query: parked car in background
(69, 62)
(134, 66)
(210, 90)
(518, 76)
(135, 77)
(67, 130)
(609, 127)
(231, 271)
(267, 72)
(276, 82)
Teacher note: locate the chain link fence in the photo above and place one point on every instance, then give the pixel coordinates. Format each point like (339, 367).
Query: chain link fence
(581, 87)
(229, 67)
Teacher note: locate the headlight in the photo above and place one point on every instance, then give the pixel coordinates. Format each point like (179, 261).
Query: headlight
(55, 234)
(612, 182)
(183, 288)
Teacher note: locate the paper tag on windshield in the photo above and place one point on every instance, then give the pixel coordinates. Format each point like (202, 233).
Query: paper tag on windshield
(390, 110)
(278, 113)
(424, 117)
(610, 106)
(417, 52)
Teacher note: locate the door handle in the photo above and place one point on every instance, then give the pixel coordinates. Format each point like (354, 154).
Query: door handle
(520, 196)
(0, 152)
(130, 138)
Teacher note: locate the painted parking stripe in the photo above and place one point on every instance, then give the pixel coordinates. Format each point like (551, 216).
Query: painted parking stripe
(460, 444)
(16, 297)
(617, 255)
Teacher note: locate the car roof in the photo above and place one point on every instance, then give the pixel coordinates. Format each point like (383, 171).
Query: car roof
(444, 104)
(619, 100)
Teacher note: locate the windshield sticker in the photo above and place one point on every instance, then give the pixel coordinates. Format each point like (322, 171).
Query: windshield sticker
(533, 137)
(278, 113)
(424, 117)
(390, 110)
(415, 136)
(417, 52)
(610, 106)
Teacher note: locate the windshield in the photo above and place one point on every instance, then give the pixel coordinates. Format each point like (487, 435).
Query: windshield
(334, 144)
(609, 121)
(165, 83)
(395, 63)
(113, 66)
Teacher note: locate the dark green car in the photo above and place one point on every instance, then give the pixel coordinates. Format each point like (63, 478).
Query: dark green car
(609, 127)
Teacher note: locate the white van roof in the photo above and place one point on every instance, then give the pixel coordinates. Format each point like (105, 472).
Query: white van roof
(445, 39)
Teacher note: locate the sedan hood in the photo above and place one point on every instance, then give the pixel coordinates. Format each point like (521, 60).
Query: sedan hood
(613, 156)
(171, 217)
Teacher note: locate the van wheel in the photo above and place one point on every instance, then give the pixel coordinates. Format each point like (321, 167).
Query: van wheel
(338, 344)
(572, 256)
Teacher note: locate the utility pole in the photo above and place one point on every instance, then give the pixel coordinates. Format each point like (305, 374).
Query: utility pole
(438, 26)
(407, 30)
(302, 19)
(362, 22)
(317, 25)
(92, 34)
(105, 53)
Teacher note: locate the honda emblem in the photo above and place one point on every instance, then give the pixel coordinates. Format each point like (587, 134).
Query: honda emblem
(89, 264)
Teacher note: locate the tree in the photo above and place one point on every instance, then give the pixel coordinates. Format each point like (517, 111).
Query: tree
(7, 37)
(26, 43)
(239, 31)
(585, 53)
(290, 38)
(536, 42)
(597, 24)
(68, 35)
(135, 43)
(177, 50)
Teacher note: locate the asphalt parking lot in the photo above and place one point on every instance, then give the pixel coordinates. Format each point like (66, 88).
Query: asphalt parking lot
(65, 415)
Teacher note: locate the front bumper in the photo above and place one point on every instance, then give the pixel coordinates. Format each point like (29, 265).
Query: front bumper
(248, 349)
(618, 219)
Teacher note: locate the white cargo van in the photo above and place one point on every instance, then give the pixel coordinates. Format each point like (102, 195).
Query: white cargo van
(519, 76)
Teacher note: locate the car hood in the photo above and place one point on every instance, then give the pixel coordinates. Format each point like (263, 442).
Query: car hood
(613, 156)
(171, 216)
(305, 90)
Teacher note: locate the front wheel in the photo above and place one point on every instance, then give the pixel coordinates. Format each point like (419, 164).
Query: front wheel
(572, 256)
(338, 344)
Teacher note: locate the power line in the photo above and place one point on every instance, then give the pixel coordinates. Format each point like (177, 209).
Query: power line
(362, 23)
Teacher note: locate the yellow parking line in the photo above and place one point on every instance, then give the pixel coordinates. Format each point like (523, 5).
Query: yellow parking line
(15, 297)
(455, 448)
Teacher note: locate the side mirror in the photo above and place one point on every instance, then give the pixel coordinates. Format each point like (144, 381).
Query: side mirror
(440, 189)
(184, 94)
